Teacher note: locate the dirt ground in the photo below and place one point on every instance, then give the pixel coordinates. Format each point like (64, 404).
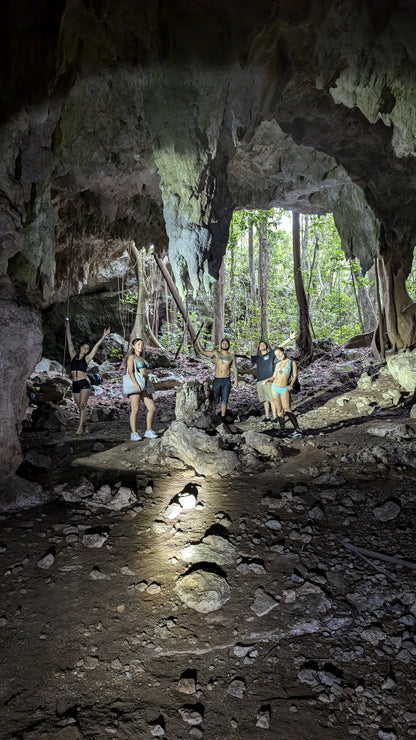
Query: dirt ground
(317, 638)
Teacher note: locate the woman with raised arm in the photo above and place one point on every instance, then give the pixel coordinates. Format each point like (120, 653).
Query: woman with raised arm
(282, 380)
(81, 385)
(137, 362)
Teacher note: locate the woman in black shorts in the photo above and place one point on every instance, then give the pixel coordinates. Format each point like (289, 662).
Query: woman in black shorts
(81, 386)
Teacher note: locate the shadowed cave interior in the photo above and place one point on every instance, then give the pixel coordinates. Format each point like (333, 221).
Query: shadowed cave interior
(219, 581)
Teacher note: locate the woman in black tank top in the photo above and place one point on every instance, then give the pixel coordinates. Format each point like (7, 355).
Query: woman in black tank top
(81, 386)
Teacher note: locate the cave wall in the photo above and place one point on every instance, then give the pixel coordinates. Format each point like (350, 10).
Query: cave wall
(152, 121)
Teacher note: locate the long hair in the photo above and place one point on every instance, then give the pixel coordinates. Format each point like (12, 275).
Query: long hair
(84, 341)
(262, 341)
(137, 339)
(282, 349)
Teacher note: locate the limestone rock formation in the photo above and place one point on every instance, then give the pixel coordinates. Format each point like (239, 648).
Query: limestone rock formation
(150, 122)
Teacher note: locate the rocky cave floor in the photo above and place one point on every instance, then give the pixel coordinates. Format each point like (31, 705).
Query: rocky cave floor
(315, 637)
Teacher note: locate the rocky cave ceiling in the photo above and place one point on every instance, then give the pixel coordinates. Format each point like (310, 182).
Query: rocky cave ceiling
(152, 121)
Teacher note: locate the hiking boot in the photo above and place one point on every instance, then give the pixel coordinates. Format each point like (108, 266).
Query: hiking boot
(296, 433)
(265, 420)
(135, 437)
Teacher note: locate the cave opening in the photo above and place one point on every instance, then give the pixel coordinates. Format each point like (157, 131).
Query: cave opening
(144, 581)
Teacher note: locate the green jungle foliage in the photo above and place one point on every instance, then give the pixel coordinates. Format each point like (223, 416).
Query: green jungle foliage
(327, 277)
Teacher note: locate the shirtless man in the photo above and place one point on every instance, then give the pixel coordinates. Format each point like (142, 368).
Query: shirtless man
(224, 364)
(285, 374)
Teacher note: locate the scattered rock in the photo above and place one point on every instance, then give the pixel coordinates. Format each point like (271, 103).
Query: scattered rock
(97, 575)
(212, 549)
(159, 527)
(263, 718)
(172, 511)
(192, 714)
(237, 688)
(153, 588)
(203, 590)
(329, 479)
(157, 727)
(263, 603)
(90, 662)
(274, 524)
(46, 560)
(240, 650)
(187, 500)
(37, 460)
(187, 685)
(263, 444)
(390, 510)
(95, 538)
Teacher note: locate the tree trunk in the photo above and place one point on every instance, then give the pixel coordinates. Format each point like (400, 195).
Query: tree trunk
(315, 252)
(263, 278)
(140, 324)
(304, 340)
(167, 313)
(252, 273)
(399, 312)
(354, 286)
(232, 286)
(218, 306)
(380, 329)
(367, 308)
(176, 297)
(305, 242)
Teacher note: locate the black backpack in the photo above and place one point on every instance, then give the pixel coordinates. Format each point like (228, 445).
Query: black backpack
(95, 378)
(296, 384)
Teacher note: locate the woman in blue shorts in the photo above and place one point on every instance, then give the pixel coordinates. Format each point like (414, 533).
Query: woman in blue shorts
(285, 374)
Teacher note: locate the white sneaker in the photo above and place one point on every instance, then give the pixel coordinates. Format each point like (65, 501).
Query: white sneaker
(150, 434)
(135, 437)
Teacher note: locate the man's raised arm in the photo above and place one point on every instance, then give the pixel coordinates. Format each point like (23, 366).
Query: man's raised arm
(203, 351)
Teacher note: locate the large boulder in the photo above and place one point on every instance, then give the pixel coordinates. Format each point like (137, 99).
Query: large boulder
(194, 399)
(45, 388)
(48, 366)
(198, 450)
(402, 367)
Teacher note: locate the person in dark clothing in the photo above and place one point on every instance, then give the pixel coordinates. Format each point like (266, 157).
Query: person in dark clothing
(81, 385)
(265, 360)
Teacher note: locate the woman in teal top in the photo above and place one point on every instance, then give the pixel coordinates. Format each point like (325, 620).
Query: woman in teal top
(285, 374)
(137, 361)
